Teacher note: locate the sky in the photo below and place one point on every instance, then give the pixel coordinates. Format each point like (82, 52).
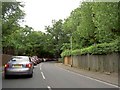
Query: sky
(40, 13)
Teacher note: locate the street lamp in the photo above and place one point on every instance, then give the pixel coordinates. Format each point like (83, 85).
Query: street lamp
(70, 35)
(71, 50)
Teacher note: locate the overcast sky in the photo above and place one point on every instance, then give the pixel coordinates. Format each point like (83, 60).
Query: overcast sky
(40, 13)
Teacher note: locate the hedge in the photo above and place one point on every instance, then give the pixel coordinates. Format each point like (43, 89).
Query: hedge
(103, 48)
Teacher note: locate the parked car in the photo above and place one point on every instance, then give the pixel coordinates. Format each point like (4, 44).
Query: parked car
(18, 65)
(55, 59)
(37, 60)
(33, 61)
(40, 59)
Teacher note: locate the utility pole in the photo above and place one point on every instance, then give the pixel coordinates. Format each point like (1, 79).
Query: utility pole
(71, 51)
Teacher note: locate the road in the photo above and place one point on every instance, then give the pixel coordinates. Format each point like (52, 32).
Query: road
(48, 75)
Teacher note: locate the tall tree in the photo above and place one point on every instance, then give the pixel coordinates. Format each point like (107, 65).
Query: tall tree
(70, 27)
(58, 36)
(86, 28)
(11, 16)
(105, 20)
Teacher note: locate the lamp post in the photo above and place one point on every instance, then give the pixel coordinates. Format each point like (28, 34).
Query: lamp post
(71, 50)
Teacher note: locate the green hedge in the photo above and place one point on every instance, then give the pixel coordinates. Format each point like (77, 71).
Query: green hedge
(66, 53)
(103, 48)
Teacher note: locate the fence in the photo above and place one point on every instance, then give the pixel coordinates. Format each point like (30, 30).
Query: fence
(101, 63)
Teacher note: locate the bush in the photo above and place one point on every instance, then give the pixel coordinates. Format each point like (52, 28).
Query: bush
(66, 53)
(103, 48)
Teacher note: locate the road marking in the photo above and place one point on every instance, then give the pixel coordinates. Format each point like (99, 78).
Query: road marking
(49, 87)
(43, 75)
(90, 78)
(40, 66)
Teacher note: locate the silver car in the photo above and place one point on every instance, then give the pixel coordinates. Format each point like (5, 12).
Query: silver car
(19, 65)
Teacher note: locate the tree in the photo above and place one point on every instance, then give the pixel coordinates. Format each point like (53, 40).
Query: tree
(70, 27)
(98, 27)
(11, 16)
(86, 28)
(105, 20)
(56, 36)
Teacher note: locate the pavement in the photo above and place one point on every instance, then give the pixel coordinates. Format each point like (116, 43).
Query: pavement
(111, 78)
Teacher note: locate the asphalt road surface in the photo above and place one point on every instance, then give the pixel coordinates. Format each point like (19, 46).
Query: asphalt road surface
(48, 75)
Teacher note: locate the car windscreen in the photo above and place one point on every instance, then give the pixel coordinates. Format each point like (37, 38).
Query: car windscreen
(19, 59)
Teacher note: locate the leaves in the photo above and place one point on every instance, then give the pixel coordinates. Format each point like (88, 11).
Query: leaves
(97, 28)
(103, 48)
(11, 14)
(91, 28)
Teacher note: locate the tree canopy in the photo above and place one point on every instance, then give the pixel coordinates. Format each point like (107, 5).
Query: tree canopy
(92, 28)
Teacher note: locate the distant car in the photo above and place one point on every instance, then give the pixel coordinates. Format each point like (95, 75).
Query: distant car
(18, 65)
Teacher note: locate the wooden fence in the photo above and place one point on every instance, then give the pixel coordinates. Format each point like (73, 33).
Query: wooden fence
(101, 63)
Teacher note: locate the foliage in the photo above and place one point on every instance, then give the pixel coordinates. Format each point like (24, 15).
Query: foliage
(97, 30)
(11, 16)
(103, 48)
(105, 20)
(66, 53)
(86, 28)
(65, 46)
(92, 28)
(56, 37)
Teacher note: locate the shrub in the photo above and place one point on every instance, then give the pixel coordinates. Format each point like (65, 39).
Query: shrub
(103, 48)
